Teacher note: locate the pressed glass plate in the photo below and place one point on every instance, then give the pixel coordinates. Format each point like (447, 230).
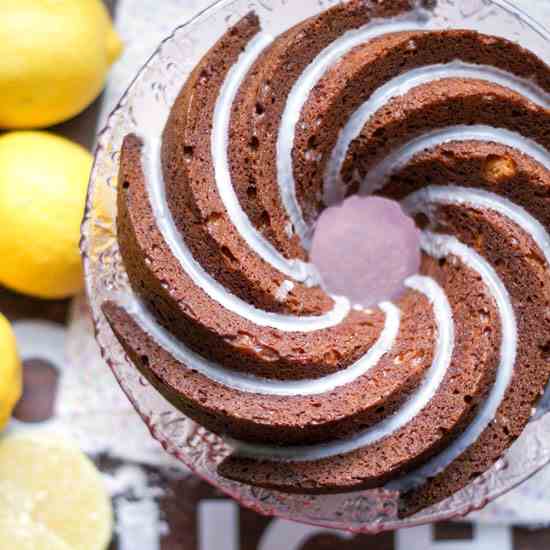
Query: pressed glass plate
(143, 110)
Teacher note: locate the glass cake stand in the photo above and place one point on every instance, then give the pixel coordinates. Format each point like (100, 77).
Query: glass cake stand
(143, 110)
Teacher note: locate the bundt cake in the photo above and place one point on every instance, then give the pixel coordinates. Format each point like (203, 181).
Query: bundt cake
(229, 321)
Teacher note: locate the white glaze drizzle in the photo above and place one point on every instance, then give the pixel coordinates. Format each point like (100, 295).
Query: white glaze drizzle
(421, 200)
(284, 290)
(442, 359)
(440, 246)
(416, 20)
(253, 384)
(295, 269)
(334, 191)
(377, 177)
(202, 279)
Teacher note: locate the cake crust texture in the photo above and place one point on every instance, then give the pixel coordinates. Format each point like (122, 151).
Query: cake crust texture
(229, 320)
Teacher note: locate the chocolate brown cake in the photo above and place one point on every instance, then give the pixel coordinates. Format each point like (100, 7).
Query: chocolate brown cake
(228, 319)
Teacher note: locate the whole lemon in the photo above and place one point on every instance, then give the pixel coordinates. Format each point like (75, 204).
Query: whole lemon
(55, 57)
(43, 182)
(10, 372)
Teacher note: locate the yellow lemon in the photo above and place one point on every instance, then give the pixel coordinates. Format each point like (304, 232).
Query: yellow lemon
(48, 486)
(43, 181)
(17, 527)
(17, 532)
(10, 372)
(55, 58)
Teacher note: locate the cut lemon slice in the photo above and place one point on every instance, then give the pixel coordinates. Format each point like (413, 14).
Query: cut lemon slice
(52, 496)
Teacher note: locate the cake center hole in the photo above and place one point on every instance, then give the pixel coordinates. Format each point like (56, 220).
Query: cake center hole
(365, 248)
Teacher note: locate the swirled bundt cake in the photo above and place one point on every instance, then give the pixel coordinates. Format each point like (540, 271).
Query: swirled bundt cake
(228, 320)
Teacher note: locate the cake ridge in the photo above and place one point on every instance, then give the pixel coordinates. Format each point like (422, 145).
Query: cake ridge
(295, 268)
(440, 246)
(449, 102)
(440, 364)
(192, 191)
(300, 92)
(421, 200)
(253, 384)
(378, 175)
(398, 86)
(213, 288)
